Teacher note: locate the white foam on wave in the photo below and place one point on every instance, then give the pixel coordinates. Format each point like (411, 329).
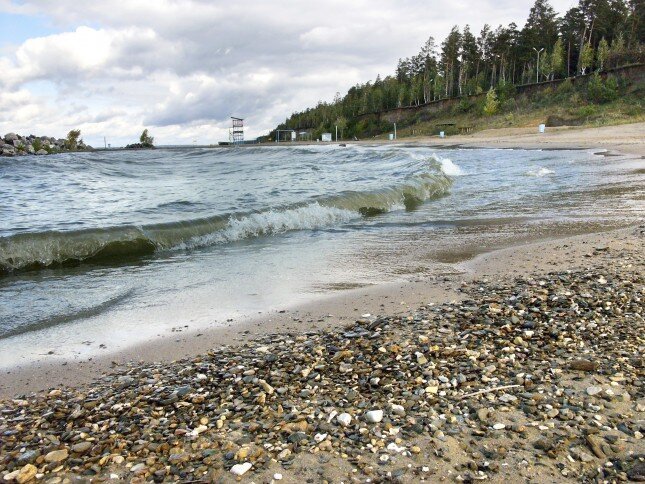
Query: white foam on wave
(540, 172)
(308, 217)
(447, 166)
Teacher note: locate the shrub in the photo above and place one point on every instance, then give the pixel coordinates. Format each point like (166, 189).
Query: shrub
(564, 89)
(465, 105)
(71, 142)
(585, 111)
(505, 91)
(599, 91)
(37, 144)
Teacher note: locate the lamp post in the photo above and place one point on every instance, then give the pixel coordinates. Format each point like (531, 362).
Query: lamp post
(537, 68)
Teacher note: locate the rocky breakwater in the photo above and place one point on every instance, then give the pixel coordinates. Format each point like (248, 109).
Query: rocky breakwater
(539, 379)
(13, 144)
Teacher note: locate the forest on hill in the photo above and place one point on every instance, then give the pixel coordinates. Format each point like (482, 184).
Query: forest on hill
(593, 36)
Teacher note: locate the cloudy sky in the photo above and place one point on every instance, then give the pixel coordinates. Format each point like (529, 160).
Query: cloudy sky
(182, 67)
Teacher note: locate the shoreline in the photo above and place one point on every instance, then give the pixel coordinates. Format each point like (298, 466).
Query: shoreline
(332, 311)
(535, 376)
(627, 139)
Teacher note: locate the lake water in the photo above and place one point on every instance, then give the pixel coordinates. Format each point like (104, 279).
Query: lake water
(124, 246)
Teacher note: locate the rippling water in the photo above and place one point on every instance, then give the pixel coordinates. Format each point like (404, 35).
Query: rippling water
(104, 243)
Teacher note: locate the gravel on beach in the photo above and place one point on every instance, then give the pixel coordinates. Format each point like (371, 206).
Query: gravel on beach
(534, 379)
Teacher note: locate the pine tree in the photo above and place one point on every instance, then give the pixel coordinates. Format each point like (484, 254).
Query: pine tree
(492, 104)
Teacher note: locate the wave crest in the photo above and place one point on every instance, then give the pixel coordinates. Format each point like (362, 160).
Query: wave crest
(44, 249)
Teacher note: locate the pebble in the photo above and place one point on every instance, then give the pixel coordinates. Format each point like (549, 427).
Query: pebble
(593, 390)
(241, 469)
(57, 456)
(398, 410)
(82, 447)
(26, 474)
(344, 419)
(373, 416)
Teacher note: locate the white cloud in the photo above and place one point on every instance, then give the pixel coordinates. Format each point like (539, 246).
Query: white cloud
(182, 67)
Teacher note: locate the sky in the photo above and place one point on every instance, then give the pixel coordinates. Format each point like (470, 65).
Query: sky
(182, 68)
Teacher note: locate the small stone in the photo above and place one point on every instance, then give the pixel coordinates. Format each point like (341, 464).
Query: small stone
(266, 387)
(499, 426)
(398, 410)
(507, 398)
(241, 469)
(139, 468)
(320, 437)
(56, 456)
(26, 474)
(344, 419)
(277, 476)
(637, 472)
(482, 414)
(593, 390)
(82, 447)
(11, 476)
(284, 454)
(583, 365)
(373, 416)
(415, 449)
(421, 359)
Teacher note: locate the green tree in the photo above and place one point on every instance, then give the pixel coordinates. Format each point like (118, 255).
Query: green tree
(72, 140)
(557, 59)
(586, 58)
(492, 104)
(145, 139)
(603, 54)
(617, 51)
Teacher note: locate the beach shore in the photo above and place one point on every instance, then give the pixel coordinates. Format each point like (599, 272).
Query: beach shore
(622, 138)
(573, 408)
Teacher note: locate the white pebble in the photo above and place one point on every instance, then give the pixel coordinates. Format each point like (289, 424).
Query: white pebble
(344, 419)
(241, 469)
(373, 416)
(398, 410)
(499, 426)
(277, 476)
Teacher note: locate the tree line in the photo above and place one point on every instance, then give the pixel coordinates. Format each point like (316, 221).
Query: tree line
(594, 35)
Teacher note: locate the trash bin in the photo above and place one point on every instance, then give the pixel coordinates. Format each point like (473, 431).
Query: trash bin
(442, 134)
(391, 136)
(542, 127)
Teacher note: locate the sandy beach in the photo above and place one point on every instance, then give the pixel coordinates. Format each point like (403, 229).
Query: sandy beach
(429, 436)
(623, 138)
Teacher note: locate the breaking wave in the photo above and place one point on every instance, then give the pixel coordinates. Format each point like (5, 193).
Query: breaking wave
(540, 172)
(447, 166)
(45, 249)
